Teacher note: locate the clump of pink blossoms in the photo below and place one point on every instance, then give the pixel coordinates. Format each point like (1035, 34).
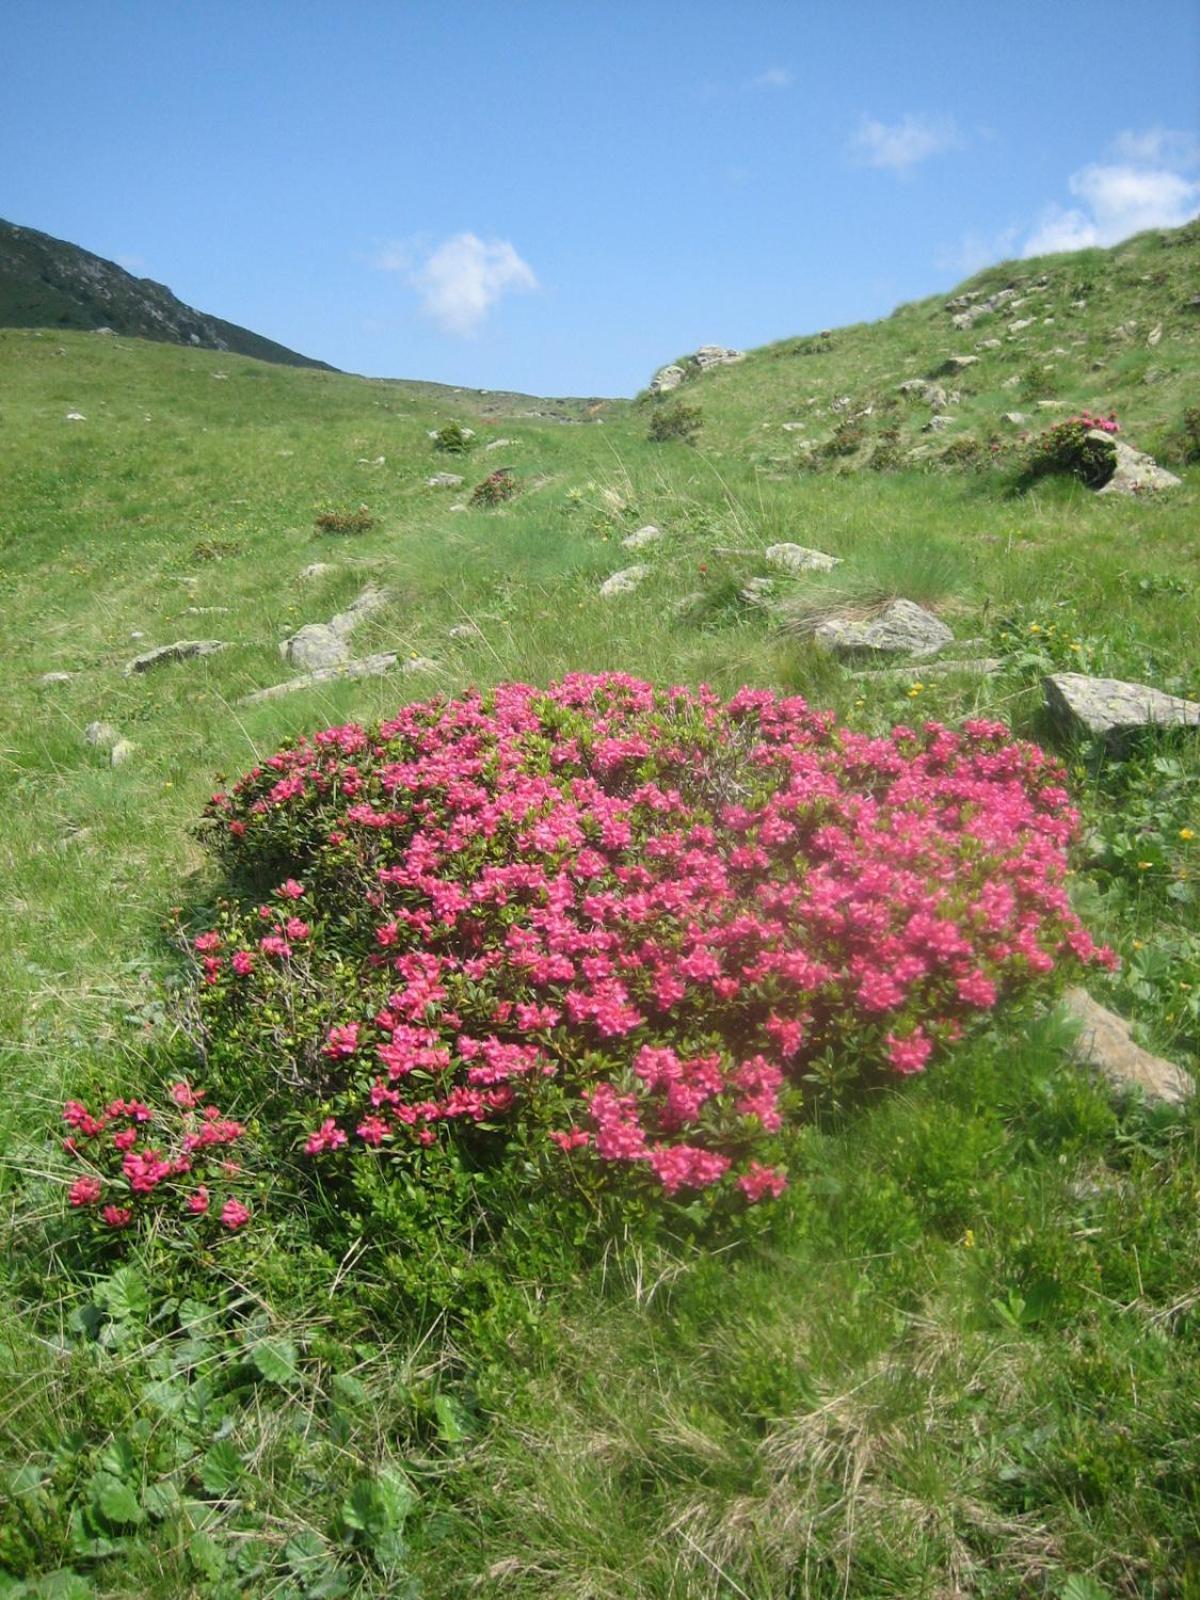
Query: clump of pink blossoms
(620, 922)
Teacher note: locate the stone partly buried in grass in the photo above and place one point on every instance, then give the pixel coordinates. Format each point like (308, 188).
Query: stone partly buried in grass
(1106, 1045)
(326, 644)
(181, 650)
(905, 628)
(1111, 710)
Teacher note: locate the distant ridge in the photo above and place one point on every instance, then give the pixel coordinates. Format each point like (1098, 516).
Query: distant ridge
(49, 283)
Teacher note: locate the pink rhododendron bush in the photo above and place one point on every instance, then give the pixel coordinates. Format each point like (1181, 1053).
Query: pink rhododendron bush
(616, 933)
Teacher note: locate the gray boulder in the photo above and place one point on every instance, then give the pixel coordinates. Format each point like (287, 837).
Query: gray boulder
(181, 650)
(798, 558)
(324, 644)
(444, 480)
(667, 378)
(932, 394)
(905, 628)
(717, 355)
(101, 735)
(1136, 472)
(641, 537)
(956, 364)
(1108, 709)
(1105, 1044)
(622, 582)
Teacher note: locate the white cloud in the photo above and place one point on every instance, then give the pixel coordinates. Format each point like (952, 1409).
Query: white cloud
(461, 279)
(897, 146)
(774, 78)
(1116, 201)
(1158, 147)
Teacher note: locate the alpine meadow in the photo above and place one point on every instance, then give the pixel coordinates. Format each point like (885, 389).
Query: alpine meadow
(600, 997)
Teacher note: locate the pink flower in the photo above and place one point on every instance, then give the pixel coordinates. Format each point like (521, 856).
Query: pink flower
(84, 1192)
(234, 1215)
(758, 1181)
(117, 1216)
(342, 1041)
(184, 1095)
(327, 1137)
(910, 1054)
(197, 1202)
(242, 963)
(206, 941)
(291, 890)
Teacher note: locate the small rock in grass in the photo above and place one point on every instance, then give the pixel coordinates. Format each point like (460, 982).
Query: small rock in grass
(48, 678)
(1018, 419)
(1106, 1045)
(799, 558)
(499, 444)
(121, 752)
(75, 416)
(101, 735)
(622, 582)
(905, 628)
(444, 480)
(316, 569)
(181, 650)
(1109, 709)
(955, 364)
(758, 591)
(418, 664)
(642, 536)
(315, 645)
(938, 424)
(465, 630)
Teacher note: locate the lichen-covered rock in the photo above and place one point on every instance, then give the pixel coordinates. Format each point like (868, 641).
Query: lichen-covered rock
(444, 480)
(181, 650)
(622, 582)
(101, 735)
(667, 378)
(364, 667)
(641, 537)
(1136, 472)
(799, 558)
(1110, 709)
(1106, 1045)
(905, 628)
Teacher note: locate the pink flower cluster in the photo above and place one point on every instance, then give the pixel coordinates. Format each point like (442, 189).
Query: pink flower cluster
(1108, 424)
(138, 1159)
(624, 920)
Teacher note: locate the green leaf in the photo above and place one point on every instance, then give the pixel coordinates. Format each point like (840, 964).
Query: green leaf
(124, 1295)
(115, 1500)
(118, 1458)
(1080, 1587)
(451, 1419)
(221, 1468)
(162, 1500)
(276, 1360)
(351, 1391)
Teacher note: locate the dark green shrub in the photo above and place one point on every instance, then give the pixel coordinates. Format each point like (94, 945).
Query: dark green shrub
(453, 440)
(495, 489)
(966, 454)
(675, 420)
(847, 437)
(342, 521)
(1074, 449)
(887, 456)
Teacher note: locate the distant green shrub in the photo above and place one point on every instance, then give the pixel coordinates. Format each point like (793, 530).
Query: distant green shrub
(343, 521)
(887, 456)
(453, 440)
(495, 489)
(965, 454)
(1189, 436)
(215, 549)
(847, 437)
(675, 420)
(1073, 449)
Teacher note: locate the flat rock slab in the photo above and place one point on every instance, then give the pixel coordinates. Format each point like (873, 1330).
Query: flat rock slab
(444, 480)
(622, 582)
(364, 667)
(47, 679)
(181, 650)
(1136, 472)
(974, 666)
(799, 558)
(905, 628)
(1106, 1045)
(1111, 710)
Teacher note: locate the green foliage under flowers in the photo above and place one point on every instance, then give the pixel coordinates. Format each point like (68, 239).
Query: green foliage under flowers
(356, 520)
(1072, 449)
(453, 439)
(496, 489)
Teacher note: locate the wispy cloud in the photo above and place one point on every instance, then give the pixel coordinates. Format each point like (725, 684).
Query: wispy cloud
(1148, 189)
(461, 279)
(899, 146)
(774, 78)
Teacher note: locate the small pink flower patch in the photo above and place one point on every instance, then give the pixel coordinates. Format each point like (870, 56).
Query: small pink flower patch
(197, 1203)
(84, 1192)
(910, 1054)
(327, 1137)
(117, 1216)
(234, 1215)
(758, 1181)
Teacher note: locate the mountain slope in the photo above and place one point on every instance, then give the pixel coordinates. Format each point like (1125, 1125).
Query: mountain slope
(1006, 353)
(47, 282)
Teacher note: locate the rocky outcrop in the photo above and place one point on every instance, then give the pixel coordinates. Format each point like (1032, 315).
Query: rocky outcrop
(1112, 710)
(905, 628)
(677, 372)
(799, 558)
(1136, 473)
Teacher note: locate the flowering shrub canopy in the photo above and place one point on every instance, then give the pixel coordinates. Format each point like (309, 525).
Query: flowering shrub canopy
(617, 926)
(1071, 448)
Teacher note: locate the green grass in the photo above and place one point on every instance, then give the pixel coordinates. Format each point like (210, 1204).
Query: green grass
(959, 1359)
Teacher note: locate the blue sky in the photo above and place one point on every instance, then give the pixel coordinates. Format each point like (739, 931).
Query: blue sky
(559, 197)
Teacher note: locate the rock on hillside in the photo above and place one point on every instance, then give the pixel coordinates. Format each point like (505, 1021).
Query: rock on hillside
(46, 282)
(708, 355)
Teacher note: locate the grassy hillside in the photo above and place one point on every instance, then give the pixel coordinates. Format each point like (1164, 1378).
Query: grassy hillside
(959, 1356)
(48, 283)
